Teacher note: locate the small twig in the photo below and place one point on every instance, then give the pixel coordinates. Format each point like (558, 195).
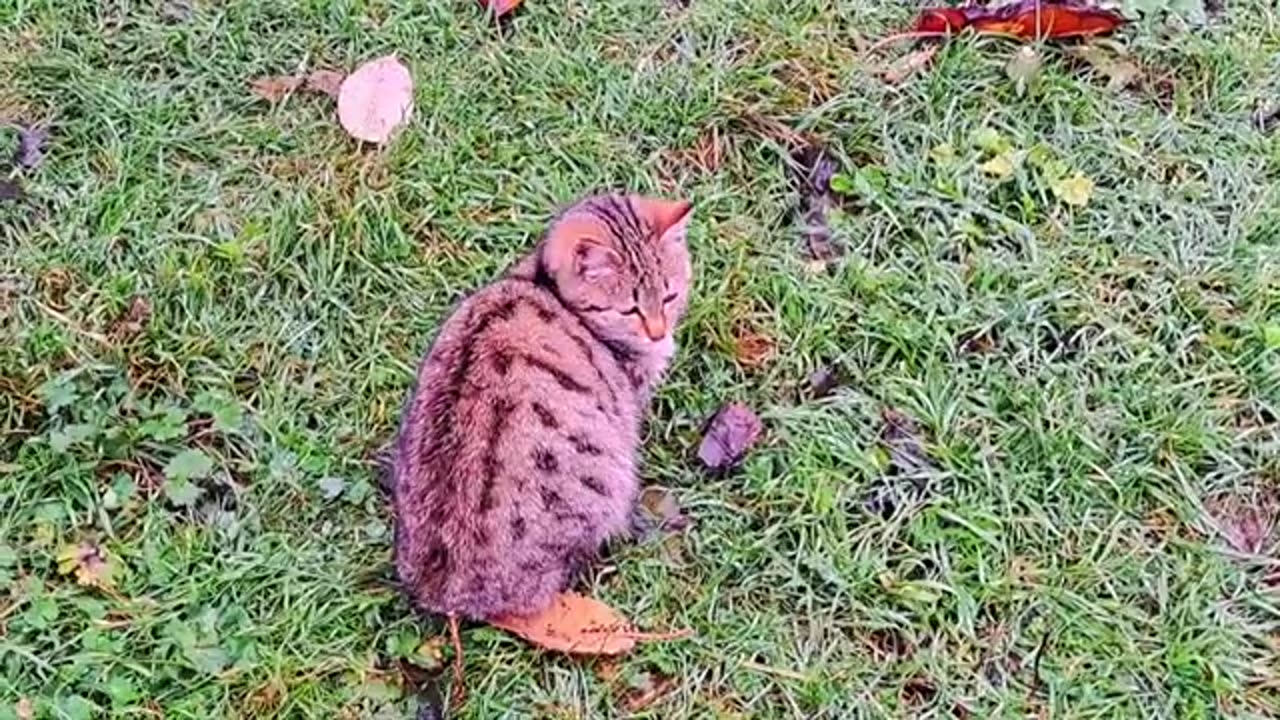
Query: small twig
(899, 37)
(458, 694)
(1035, 666)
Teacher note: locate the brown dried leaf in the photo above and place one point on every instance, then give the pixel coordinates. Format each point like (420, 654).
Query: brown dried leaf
(274, 88)
(31, 142)
(663, 511)
(652, 688)
(910, 64)
(731, 432)
(11, 190)
(823, 381)
(133, 320)
(580, 625)
(902, 437)
(325, 81)
(376, 99)
(752, 349)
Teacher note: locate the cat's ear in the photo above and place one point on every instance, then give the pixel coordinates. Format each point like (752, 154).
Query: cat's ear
(670, 217)
(594, 262)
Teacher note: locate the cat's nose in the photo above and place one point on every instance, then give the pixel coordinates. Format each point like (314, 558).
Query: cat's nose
(655, 328)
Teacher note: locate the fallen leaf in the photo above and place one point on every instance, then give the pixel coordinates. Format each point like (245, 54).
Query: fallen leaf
(328, 82)
(999, 167)
(910, 64)
(580, 625)
(31, 142)
(11, 190)
(823, 381)
(663, 512)
(1246, 524)
(812, 169)
(1027, 19)
(499, 8)
(133, 320)
(1119, 70)
(1075, 190)
(731, 432)
(275, 88)
(652, 687)
(902, 437)
(1023, 69)
(376, 99)
(90, 564)
(176, 11)
(752, 349)
(1267, 117)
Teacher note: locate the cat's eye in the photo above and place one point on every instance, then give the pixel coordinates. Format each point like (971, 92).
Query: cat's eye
(669, 298)
(633, 310)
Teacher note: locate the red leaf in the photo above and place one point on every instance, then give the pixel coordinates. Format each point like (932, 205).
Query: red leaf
(730, 434)
(1029, 19)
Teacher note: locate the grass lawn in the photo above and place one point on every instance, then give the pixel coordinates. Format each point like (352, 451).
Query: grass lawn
(212, 307)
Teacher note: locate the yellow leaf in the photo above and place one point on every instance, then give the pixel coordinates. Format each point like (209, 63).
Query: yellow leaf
(1075, 190)
(999, 167)
(90, 564)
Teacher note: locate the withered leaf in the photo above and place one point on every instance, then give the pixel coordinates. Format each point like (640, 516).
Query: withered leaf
(176, 11)
(910, 64)
(11, 190)
(133, 320)
(728, 437)
(89, 563)
(31, 143)
(752, 349)
(579, 625)
(325, 81)
(274, 88)
(376, 99)
(812, 168)
(902, 438)
(823, 381)
(662, 510)
(652, 687)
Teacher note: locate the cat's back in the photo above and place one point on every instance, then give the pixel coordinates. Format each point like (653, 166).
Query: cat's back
(516, 447)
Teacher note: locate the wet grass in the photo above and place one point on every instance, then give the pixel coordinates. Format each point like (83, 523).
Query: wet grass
(1096, 387)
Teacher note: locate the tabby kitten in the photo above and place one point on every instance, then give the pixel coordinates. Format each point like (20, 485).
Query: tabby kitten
(516, 457)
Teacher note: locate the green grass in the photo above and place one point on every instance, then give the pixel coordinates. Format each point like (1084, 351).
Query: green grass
(1125, 376)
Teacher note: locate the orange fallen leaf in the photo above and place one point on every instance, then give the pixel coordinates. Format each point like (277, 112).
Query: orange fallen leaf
(580, 625)
(376, 99)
